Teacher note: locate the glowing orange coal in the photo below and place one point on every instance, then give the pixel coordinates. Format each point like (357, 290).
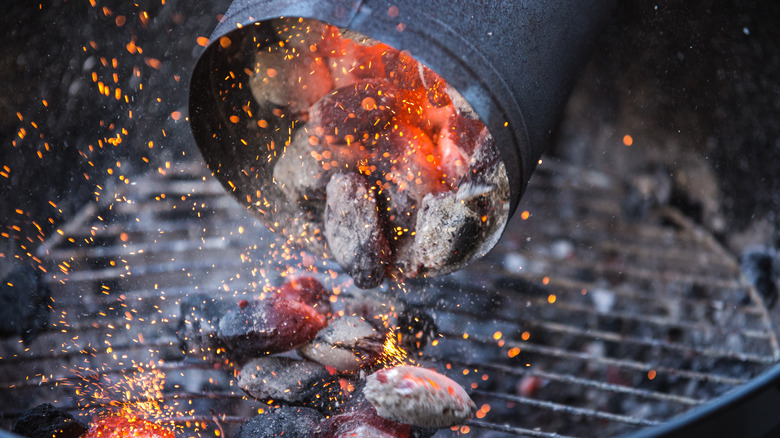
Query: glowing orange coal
(117, 426)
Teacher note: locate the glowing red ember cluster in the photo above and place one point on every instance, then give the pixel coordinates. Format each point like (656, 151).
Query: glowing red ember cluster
(121, 426)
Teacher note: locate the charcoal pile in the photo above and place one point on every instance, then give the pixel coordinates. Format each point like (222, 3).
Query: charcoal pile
(388, 169)
(346, 376)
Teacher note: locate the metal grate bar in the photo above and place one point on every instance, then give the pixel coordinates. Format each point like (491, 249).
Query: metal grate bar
(55, 355)
(519, 431)
(576, 286)
(567, 378)
(602, 335)
(655, 320)
(572, 410)
(626, 363)
(629, 340)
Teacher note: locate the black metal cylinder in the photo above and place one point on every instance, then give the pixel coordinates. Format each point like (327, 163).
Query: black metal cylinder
(514, 62)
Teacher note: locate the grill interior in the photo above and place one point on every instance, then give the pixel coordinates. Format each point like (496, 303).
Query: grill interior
(581, 322)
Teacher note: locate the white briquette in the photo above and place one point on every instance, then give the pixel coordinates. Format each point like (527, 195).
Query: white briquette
(418, 396)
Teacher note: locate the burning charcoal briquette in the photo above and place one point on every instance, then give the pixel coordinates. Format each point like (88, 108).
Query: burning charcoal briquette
(307, 290)
(346, 344)
(300, 382)
(268, 326)
(353, 229)
(402, 69)
(198, 325)
(363, 421)
(455, 143)
(435, 89)
(454, 226)
(405, 159)
(46, 421)
(418, 396)
(355, 112)
(283, 421)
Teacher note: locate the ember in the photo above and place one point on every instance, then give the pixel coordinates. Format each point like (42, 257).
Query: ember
(124, 427)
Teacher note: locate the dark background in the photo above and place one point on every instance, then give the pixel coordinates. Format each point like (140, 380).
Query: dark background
(695, 83)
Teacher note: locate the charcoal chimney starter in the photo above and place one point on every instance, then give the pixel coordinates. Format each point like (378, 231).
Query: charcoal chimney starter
(492, 75)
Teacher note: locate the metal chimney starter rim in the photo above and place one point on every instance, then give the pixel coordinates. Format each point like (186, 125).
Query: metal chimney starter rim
(513, 62)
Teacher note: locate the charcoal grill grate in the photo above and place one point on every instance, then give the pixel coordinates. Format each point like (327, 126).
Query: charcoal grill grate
(580, 323)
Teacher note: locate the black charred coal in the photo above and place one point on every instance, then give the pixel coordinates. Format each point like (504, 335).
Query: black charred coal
(47, 421)
(24, 301)
(297, 382)
(268, 326)
(284, 421)
(198, 325)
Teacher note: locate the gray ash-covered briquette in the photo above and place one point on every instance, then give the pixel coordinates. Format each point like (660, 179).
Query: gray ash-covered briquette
(444, 224)
(354, 231)
(297, 382)
(268, 326)
(452, 227)
(283, 421)
(306, 165)
(357, 407)
(418, 396)
(278, 72)
(345, 344)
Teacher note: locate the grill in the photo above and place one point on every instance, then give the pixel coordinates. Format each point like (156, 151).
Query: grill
(581, 322)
